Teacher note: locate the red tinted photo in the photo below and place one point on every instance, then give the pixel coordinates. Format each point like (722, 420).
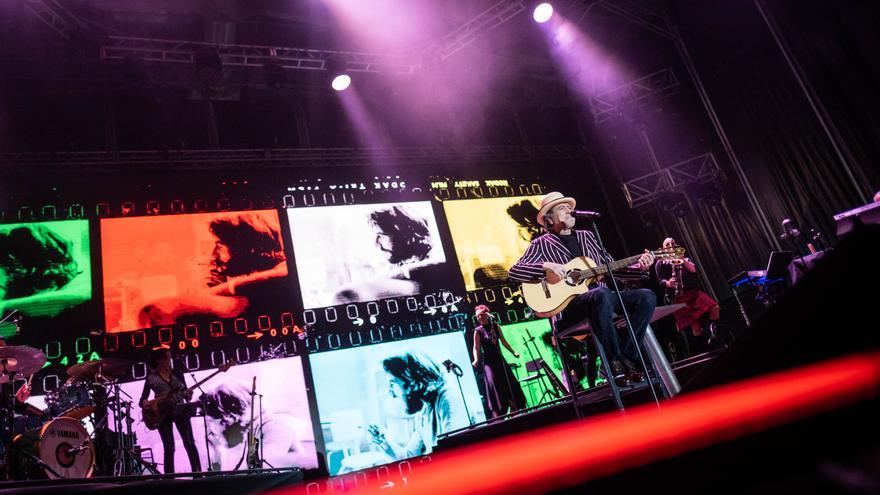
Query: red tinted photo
(167, 270)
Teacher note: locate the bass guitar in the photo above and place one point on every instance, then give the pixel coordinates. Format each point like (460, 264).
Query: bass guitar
(163, 406)
(548, 299)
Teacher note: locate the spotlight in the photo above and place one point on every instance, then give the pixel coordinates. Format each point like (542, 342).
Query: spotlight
(543, 13)
(341, 82)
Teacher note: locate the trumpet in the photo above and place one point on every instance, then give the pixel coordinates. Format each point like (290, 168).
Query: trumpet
(676, 261)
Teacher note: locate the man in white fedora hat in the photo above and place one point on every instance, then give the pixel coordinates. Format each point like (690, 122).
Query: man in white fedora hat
(562, 243)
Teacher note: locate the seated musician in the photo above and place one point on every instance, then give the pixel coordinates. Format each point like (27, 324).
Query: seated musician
(562, 243)
(21, 396)
(679, 280)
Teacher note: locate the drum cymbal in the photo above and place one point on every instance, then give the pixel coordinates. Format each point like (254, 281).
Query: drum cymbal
(107, 367)
(21, 359)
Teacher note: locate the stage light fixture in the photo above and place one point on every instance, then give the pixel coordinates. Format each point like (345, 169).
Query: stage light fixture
(542, 13)
(341, 82)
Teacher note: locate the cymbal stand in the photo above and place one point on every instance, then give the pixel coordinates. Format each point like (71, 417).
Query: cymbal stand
(10, 419)
(128, 461)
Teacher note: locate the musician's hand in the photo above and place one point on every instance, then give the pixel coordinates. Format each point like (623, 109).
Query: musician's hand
(671, 283)
(474, 363)
(554, 272)
(377, 434)
(646, 260)
(24, 393)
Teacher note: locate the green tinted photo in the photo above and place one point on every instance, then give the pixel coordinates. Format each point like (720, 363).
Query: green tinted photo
(45, 267)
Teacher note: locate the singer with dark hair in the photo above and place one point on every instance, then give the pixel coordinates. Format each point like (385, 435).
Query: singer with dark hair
(416, 381)
(544, 259)
(161, 379)
(501, 386)
(34, 259)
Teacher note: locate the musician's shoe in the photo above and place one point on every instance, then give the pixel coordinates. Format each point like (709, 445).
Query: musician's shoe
(634, 372)
(621, 376)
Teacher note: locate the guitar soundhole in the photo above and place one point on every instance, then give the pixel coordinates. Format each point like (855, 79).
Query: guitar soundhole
(571, 278)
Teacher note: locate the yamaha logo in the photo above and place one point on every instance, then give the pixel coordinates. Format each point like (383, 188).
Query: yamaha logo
(67, 434)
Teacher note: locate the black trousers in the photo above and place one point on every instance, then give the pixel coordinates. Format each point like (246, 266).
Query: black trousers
(184, 428)
(599, 306)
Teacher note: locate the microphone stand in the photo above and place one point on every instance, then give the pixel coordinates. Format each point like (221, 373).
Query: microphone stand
(455, 369)
(202, 401)
(629, 327)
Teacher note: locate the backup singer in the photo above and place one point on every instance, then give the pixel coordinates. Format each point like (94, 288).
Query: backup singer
(502, 387)
(161, 379)
(562, 243)
(683, 289)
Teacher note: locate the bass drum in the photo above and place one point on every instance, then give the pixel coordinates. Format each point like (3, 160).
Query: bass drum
(52, 444)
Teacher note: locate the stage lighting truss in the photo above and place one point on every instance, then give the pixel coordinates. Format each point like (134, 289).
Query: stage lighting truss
(206, 159)
(496, 15)
(254, 56)
(54, 15)
(650, 188)
(615, 102)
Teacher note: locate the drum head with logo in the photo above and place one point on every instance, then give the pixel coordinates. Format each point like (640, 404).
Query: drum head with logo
(57, 438)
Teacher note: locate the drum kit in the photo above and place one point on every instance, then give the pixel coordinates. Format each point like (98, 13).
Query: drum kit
(54, 443)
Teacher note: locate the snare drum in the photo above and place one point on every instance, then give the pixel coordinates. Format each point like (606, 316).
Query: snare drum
(73, 400)
(52, 444)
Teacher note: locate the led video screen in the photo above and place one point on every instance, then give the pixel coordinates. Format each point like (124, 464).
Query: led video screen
(358, 253)
(490, 235)
(531, 340)
(390, 401)
(288, 438)
(164, 270)
(45, 267)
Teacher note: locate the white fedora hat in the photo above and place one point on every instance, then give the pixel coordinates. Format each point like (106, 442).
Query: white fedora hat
(551, 200)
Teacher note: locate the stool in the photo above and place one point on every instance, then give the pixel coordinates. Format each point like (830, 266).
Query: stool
(654, 353)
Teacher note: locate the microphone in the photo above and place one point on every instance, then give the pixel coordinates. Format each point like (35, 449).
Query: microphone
(589, 215)
(254, 387)
(789, 229)
(79, 448)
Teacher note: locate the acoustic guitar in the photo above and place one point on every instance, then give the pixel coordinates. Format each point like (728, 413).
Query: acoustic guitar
(548, 299)
(162, 406)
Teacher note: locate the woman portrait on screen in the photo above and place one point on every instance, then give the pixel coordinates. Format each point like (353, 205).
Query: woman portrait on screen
(247, 254)
(403, 238)
(228, 412)
(34, 260)
(416, 381)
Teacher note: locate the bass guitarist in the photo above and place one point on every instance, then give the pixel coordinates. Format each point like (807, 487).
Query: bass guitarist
(562, 243)
(164, 381)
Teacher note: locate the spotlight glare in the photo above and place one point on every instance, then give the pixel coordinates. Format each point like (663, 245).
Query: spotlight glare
(543, 13)
(341, 82)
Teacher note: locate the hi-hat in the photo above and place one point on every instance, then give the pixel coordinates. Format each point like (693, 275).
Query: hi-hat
(107, 367)
(21, 359)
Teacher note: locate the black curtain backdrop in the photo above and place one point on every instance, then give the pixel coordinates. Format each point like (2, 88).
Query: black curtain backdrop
(790, 160)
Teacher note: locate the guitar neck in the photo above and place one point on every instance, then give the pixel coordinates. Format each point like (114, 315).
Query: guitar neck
(203, 380)
(614, 265)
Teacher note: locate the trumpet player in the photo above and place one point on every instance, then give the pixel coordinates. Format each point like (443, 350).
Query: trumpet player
(679, 281)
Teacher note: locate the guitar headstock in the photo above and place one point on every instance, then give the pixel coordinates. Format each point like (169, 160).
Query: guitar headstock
(670, 253)
(228, 364)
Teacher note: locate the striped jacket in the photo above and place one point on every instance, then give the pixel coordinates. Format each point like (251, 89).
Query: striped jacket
(549, 248)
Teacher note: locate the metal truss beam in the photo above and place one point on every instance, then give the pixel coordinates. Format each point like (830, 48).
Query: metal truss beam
(613, 102)
(184, 52)
(54, 15)
(649, 188)
(243, 159)
(496, 15)
(638, 15)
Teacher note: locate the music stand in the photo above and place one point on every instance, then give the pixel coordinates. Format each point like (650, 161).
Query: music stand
(537, 366)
